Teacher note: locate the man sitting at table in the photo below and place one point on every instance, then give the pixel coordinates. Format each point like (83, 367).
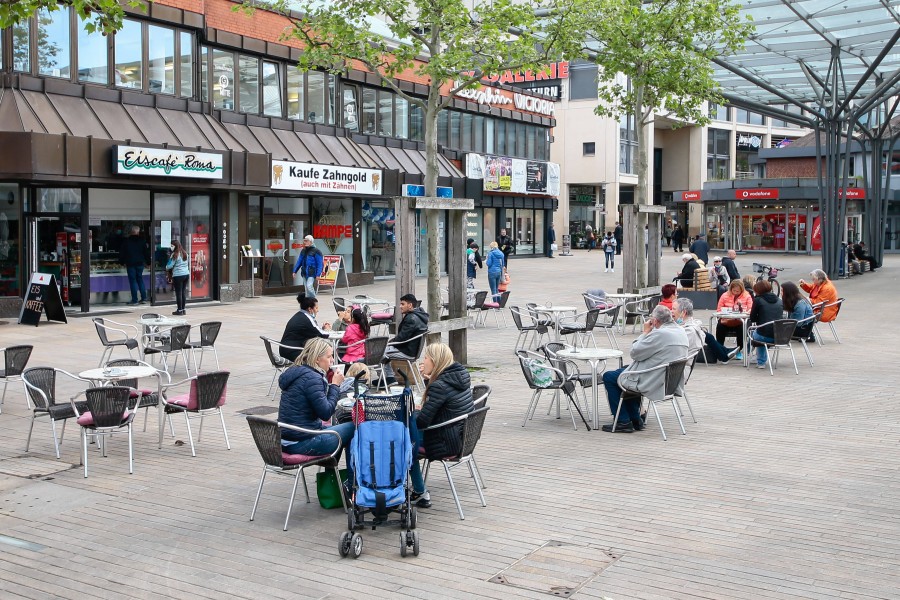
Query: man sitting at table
(402, 347)
(662, 341)
(302, 327)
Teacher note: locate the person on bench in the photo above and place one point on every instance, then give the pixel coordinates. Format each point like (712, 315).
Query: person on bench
(686, 277)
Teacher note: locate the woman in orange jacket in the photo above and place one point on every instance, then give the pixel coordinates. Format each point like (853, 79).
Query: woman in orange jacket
(821, 290)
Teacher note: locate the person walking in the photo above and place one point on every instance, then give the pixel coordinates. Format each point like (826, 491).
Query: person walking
(609, 245)
(181, 272)
(505, 243)
(617, 233)
(310, 264)
(495, 267)
(135, 255)
(551, 241)
(701, 248)
(678, 239)
(668, 234)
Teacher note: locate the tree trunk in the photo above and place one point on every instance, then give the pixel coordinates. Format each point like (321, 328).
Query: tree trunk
(642, 195)
(433, 298)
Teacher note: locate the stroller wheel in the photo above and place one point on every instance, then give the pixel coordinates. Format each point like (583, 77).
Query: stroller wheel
(344, 544)
(415, 545)
(402, 544)
(356, 545)
(413, 517)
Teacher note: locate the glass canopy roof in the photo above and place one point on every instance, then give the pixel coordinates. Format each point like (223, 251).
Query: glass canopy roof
(791, 49)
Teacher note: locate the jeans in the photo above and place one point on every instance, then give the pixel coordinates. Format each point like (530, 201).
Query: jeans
(180, 284)
(610, 260)
(494, 283)
(310, 284)
(415, 471)
(761, 352)
(324, 444)
(136, 281)
(631, 410)
(717, 349)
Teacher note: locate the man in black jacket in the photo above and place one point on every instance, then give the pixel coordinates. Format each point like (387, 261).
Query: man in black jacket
(402, 347)
(686, 277)
(506, 245)
(700, 248)
(617, 234)
(730, 267)
(133, 256)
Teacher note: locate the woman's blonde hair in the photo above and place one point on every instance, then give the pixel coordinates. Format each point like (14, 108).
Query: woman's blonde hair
(357, 369)
(494, 245)
(314, 349)
(442, 357)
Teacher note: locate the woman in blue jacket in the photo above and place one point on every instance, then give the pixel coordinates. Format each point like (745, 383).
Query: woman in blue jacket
(181, 271)
(307, 399)
(495, 267)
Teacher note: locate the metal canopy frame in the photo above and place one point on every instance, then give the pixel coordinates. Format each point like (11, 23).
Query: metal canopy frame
(836, 62)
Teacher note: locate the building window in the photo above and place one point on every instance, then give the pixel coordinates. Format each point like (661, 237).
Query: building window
(368, 111)
(627, 143)
(315, 85)
(489, 135)
(161, 61)
(478, 134)
(401, 118)
(21, 33)
(332, 98)
(223, 79)
(582, 80)
(93, 58)
(719, 112)
(442, 127)
(455, 119)
(271, 89)
(204, 74)
(129, 42)
(295, 93)
(465, 141)
(351, 108)
(416, 123)
(718, 154)
(53, 49)
(500, 133)
(588, 148)
(248, 80)
(186, 42)
(385, 113)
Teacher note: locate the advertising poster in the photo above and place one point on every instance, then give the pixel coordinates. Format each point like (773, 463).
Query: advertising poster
(817, 233)
(536, 177)
(332, 267)
(498, 174)
(200, 258)
(519, 175)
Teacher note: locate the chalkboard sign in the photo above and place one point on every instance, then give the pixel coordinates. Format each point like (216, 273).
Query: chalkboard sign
(43, 297)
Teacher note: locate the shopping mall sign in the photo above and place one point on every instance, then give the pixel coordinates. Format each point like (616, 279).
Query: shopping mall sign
(305, 177)
(756, 194)
(162, 162)
(691, 196)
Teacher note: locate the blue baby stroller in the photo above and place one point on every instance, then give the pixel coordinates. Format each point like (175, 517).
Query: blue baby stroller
(381, 454)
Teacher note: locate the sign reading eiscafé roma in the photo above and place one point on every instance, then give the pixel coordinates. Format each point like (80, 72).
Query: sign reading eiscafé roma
(325, 178)
(161, 162)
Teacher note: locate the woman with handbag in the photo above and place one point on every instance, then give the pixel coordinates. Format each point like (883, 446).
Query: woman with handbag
(180, 269)
(736, 299)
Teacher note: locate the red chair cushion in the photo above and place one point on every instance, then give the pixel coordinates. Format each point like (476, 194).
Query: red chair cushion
(382, 316)
(136, 393)
(87, 419)
(297, 459)
(491, 305)
(189, 400)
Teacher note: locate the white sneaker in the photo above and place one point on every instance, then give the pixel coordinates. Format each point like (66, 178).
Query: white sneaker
(613, 270)
(761, 366)
(606, 270)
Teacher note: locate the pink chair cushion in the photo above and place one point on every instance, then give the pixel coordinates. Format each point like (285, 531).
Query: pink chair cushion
(491, 305)
(136, 393)
(382, 316)
(87, 419)
(297, 459)
(189, 400)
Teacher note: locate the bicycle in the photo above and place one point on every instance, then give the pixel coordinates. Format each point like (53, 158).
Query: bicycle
(770, 274)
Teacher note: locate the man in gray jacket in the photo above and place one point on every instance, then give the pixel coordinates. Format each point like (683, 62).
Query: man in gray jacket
(662, 341)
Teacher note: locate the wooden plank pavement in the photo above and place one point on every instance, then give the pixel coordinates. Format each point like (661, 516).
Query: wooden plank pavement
(787, 488)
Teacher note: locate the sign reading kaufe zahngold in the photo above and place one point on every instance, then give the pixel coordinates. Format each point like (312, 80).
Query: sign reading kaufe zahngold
(162, 162)
(307, 177)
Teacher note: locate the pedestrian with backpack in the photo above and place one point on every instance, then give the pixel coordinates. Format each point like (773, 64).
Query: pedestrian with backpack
(609, 245)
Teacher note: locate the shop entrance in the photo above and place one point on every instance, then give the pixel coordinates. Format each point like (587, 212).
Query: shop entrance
(853, 229)
(282, 242)
(55, 248)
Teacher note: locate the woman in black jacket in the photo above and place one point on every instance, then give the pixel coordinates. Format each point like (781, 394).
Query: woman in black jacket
(448, 394)
(767, 307)
(302, 327)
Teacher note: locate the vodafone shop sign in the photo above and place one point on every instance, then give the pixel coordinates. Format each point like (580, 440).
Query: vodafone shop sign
(756, 194)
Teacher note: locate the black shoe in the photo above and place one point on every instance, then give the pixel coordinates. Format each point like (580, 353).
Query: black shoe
(132, 304)
(638, 425)
(422, 500)
(143, 301)
(620, 428)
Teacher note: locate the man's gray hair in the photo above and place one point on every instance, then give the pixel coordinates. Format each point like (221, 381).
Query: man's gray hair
(686, 306)
(662, 314)
(819, 275)
(687, 256)
(135, 229)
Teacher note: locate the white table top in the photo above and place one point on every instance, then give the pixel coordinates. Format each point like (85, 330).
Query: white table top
(731, 315)
(162, 322)
(556, 308)
(352, 301)
(117, 373)
(624, 295)
(335, 335)
(590, 353)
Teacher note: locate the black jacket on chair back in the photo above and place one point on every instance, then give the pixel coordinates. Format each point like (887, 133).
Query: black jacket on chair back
(447, 397)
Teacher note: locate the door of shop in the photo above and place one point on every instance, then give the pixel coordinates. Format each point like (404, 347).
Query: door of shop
(853, 229)
(282, 242)
(55, 248)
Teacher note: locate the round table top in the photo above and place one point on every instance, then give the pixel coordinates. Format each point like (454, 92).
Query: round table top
(335, 335)
(731, 315)
(117, 373)
(162, 322)
(590, 353)
(623, 295)
(352, 301)
(556, 308)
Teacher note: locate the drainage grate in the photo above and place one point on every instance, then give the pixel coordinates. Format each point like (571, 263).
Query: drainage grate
(557, 568)
(259, 410)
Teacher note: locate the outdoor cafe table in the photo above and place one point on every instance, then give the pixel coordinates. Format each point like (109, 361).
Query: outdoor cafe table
(152, 326)
(556, 311)
(112, 375)
(744, 318)
(593, 356)
(622, 299)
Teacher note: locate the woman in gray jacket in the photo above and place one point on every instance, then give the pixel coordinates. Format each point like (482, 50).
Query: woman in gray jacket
(181, 272)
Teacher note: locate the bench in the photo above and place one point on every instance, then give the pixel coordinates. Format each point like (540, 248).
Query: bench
(702, 293)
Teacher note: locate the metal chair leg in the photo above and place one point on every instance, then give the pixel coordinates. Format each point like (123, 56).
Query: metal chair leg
(55, 439)
(293, 493)
(187, 423)
(453, 491)
(224, 430)
(258, 493)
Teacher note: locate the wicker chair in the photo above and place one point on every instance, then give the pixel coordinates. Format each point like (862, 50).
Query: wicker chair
(267, 436)
(409, 363)
(470, 426)
(107, 413)
(209, 331)
(205, 398)
(496, 308)
(476, 308)
(177, 345)
(480, 395)
(147, 398)
(279, 363)
(114, 335)
(40, 386)
(14, 360)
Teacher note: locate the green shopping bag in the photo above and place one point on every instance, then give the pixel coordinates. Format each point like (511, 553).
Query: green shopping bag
(328, 488)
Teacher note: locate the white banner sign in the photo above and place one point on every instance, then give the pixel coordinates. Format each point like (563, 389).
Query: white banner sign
(136, 160)
(325, 178)
(514, 175)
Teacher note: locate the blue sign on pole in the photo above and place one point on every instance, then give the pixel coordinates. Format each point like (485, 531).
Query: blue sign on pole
(418, 191)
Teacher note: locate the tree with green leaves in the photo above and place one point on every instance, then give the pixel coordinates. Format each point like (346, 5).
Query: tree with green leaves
(654, 59)
(444, 42)
(104, 16)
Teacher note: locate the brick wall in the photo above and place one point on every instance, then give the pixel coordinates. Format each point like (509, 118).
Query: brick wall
(790, 167)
